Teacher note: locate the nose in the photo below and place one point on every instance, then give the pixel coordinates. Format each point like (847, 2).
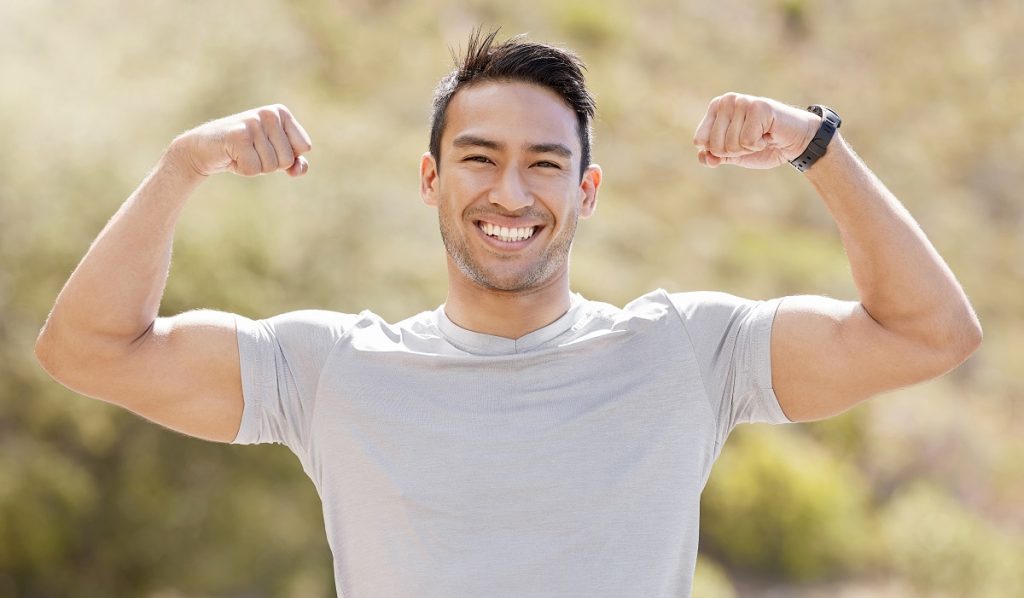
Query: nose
(511, 191)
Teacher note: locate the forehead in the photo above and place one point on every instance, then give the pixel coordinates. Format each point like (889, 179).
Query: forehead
(514, 113)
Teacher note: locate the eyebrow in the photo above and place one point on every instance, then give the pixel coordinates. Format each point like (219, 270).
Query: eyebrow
(535, 148)
(551, 148)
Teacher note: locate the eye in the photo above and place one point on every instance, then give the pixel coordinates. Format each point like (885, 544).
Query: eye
(547, 164)
(481, 159)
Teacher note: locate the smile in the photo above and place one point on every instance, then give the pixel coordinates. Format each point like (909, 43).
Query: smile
(507, 234)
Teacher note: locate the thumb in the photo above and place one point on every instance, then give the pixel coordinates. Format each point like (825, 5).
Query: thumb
(299, 167)
(759, 143)
(710, 160)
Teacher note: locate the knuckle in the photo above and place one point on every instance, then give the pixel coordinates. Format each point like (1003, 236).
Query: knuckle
(252, 126)
(268, 115)
(247, 168)
(238, 137)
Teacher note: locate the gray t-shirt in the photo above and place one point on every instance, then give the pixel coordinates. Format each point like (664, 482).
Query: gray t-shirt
(566, 463)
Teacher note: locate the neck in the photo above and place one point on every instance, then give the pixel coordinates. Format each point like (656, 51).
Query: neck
(508, 314)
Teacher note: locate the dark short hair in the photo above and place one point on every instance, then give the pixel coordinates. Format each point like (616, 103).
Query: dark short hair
(516, 59)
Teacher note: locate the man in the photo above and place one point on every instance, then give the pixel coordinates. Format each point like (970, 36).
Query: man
(519, 440)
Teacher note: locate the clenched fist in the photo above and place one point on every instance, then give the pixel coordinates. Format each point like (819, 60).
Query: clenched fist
(249, 143)
(753, 132)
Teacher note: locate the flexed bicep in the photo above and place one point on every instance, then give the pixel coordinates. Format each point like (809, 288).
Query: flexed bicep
(829, 355)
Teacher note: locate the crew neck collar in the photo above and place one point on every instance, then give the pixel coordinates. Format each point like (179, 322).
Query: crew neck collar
(479, 343)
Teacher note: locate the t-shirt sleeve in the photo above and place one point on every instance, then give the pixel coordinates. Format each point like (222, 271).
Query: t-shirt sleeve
(281, 360)
(731, 338)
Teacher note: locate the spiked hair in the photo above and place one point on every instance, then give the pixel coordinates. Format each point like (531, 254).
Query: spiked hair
(516, 59)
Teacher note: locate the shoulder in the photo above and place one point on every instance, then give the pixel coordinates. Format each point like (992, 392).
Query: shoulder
(653, 308)
(659, 304)
(301, 330)
(306, 320)
(696, 300)
(706, 313)
(320, 328)
(688, 305)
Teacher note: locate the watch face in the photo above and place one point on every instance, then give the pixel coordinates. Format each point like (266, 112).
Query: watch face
(826, 113)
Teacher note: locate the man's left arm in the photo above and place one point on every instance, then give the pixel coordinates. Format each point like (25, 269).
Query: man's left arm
(913, 321)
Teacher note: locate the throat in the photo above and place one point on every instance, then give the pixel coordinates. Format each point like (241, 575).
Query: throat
(506, 316)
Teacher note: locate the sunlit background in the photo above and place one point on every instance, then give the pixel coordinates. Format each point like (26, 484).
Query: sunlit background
(918, 492)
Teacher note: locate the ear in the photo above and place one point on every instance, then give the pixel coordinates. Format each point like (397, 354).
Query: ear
(428, 179)
(588, 190)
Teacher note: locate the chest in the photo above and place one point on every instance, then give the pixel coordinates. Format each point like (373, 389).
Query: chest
(590, 418)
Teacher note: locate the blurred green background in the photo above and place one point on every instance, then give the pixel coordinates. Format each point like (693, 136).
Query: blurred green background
(919, 492)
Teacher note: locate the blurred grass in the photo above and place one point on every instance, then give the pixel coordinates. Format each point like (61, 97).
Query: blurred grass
(919, 490)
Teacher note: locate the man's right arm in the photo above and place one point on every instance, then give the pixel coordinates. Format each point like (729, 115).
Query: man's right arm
(103, 337)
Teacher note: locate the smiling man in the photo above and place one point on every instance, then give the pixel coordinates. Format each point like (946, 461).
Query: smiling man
(518, 440)
(515, 183)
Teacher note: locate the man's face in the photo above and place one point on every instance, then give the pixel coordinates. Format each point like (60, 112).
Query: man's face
(509, 193)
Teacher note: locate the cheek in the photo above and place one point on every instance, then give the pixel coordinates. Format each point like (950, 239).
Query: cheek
(463, 186)
(550, 185)
(567, 194)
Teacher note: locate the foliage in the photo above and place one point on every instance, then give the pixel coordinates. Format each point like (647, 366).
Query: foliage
(939, 546)
(779, 504)
(922, 487)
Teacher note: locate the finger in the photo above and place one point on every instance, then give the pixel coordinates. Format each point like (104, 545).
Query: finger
(247, 162)
(297, 136)
(701, 137)
(757, 123)
(708, 159)
(268, 157)
(299, 168)
(270, 120)
(732, 134)
(716, 139)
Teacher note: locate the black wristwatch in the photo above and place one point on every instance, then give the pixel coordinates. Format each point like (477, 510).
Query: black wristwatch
(830, 121)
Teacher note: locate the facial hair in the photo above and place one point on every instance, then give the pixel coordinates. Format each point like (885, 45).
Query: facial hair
(553, 259)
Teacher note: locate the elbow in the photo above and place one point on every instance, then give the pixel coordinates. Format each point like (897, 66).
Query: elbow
(48, 354)
(970, 333)
(81, 361)
(962, 339)
(972, 337)
(62, 355)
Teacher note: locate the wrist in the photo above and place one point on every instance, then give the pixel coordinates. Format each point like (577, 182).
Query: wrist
(177, 161)
(837, 157)
(826, 125)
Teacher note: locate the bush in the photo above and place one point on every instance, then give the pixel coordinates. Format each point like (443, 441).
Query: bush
(779, 505)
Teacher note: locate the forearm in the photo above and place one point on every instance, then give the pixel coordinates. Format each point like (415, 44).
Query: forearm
(903, 282)
(113, 296)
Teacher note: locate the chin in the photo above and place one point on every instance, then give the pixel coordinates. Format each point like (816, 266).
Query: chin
(519, 281)
(506, 284)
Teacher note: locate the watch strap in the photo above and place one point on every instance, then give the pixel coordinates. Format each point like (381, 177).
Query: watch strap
(830, 122)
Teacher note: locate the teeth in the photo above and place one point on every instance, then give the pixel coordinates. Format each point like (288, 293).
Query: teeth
(508, 234)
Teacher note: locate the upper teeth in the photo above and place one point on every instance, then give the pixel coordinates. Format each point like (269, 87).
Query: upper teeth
(508, 234)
